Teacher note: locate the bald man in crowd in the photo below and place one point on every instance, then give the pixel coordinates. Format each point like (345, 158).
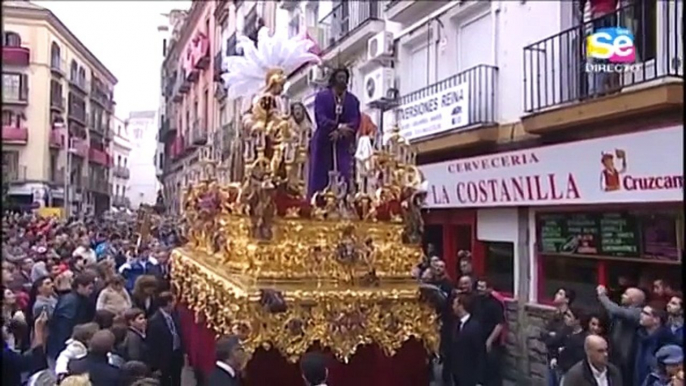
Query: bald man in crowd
(624, 320)
(595, 369)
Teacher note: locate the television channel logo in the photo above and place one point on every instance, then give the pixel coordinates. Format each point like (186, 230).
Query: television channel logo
(616, 45)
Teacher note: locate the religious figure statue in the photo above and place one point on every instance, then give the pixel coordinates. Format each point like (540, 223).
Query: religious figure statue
(271, 141)
(337, 114)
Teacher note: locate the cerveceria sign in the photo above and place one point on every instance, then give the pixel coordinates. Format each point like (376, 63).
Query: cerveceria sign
(616, 169)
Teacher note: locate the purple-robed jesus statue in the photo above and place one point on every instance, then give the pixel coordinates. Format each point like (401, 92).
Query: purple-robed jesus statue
(337, 114)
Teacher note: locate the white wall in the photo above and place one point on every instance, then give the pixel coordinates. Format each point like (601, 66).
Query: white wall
(143, 182)
(500, 224)
(492, 33)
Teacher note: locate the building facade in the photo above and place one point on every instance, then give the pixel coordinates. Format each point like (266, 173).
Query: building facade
(121, 171)
(57, 107)
(198, 122)
(541, 167)
(143, 184)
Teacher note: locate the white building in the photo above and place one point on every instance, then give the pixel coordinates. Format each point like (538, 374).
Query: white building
(519, 142)
(143, 184)
(121, 172)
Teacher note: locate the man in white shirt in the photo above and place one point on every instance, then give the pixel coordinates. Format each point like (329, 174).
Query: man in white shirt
(85, 252)
(596, 369)
(313, 369)
(231, 359)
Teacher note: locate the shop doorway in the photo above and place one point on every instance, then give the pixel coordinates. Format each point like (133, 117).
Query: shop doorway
(433, 236)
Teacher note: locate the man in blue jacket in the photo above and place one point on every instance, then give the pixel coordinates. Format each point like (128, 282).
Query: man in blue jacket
(71, 309)
(650, 337)
(141, 265)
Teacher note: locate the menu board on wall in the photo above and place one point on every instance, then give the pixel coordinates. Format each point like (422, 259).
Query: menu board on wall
(609, 234)
(568, 233)
(618, 235)
(660, 238)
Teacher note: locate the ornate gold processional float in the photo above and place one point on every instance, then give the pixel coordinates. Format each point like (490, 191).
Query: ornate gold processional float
(284, 271)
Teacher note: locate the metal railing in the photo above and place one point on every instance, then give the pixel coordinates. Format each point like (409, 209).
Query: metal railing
(481, 84)
(345, 19)
(199, 132)
(561, 69)
(121, 171)
(57, 102)
(15, 173)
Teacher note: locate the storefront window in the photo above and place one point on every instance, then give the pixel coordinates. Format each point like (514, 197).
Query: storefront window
(499, 266)
(578, 274)
(618, 249)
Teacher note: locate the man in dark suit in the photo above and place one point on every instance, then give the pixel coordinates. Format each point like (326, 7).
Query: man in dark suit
(595, 369)
(468, 350)
(313, 369)
(230, 361)
(164, 341)
(95, 363)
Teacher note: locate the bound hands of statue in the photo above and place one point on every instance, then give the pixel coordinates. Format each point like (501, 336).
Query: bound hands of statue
(342, 131)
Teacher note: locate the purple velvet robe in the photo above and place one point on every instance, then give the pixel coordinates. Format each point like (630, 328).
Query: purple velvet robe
(321, 146)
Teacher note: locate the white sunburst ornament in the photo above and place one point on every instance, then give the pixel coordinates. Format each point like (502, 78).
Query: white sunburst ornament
(247, 75)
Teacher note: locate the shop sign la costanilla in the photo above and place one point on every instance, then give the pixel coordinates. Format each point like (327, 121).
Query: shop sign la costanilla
(637, 167)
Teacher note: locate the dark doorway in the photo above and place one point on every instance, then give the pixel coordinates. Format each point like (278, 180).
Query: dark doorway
(433, 234)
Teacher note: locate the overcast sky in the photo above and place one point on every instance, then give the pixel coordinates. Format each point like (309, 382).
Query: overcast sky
(123, 35)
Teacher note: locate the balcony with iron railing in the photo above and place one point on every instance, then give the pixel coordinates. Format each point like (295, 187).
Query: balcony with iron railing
(464, 103)
(79, 83)
(16, 55)
(58, 66)
(121, 172)
(15, 133)
(78, 114)
(347, 23)
(57, 176)
(120, 201)
(199, 132)
(56, 140)
(565, 72)
(99, 184)
(79, 147)
(99, 157)
(14, 174)
(408, 11)
(57, 103)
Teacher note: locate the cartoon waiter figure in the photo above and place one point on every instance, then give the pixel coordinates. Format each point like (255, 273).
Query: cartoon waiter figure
(609, 177)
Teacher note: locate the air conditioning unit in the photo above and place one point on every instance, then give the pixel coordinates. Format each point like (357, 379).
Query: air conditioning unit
(378, 84)
(315, 75)
(380, 46)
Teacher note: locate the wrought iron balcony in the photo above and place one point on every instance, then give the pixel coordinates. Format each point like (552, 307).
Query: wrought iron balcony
(199, 132)
(563, 69)
(79, 83)
(79, 147)
(99, 185)
(471, 94)
(78, 115)
(56, 138)
(99, 157)
(15, 173)
(58, 67)
(346, 18)
(16, 55)
(218, 67)
(121, 172)
(57, 103)
(121, 201)
(15, 134)
(57, 176)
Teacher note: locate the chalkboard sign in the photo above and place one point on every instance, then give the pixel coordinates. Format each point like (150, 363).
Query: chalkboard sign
(619, 235)
(609, 234)
(660, 238)
(573, 233)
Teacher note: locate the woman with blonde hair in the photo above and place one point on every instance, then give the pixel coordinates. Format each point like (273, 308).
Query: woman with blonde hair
(114, 297)
(144, 294)
(76, 380)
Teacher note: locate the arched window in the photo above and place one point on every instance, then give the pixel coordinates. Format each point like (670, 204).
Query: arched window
(55, 55)
(82, 76)
(12, 39)
(73, 70)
